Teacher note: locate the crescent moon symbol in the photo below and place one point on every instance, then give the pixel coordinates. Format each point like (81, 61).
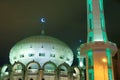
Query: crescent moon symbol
(43, 20)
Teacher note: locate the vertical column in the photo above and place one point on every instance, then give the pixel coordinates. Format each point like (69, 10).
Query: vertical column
(90, 71)
(96, 22)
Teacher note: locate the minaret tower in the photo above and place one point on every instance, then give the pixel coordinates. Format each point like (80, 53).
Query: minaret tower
(98, 51)
(96, 23)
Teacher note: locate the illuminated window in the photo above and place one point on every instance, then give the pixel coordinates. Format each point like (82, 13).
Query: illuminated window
(90, 21)
(90, 24)
(90, 5)
(61, 57)
(101, 5)
(90, 38)
(42, 46)
(104, 36)
(53, 47)
(30, 55)
(52, 55)
(30, 46)
(91, 74)
(21, 56)
(102, 21)
(14, 57)
(90, 59)
(90, 8)
(110, 74)
(68, 59)
(41, 54)
(108, 53)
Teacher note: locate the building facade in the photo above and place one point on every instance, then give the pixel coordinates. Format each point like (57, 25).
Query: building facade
(40, 58)
(33, 71)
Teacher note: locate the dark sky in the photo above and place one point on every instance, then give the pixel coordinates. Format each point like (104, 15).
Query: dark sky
(65, 20)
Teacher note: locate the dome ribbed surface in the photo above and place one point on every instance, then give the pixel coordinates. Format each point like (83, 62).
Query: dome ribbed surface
(41, 49)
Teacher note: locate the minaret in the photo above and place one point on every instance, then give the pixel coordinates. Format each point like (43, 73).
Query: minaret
(96, 23)
(98, 51)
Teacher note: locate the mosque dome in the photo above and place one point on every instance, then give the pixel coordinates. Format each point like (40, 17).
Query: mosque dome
(41, 49)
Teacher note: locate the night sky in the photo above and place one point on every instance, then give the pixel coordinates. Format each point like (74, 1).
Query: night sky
(65, 20)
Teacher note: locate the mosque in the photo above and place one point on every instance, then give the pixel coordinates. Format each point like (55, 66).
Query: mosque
(38, 58)
(44, 57)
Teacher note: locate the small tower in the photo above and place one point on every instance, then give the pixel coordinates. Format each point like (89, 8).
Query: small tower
(98, 50)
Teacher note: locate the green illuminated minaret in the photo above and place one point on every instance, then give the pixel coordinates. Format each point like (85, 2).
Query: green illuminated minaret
(98, 51)
(96, 23)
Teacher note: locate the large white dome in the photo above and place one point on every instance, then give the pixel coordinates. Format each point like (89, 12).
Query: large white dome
(41, 49)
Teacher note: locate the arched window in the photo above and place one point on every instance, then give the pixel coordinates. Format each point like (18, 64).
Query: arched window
(17, 68)
(49, 68)
(33, 67)
(63, 70)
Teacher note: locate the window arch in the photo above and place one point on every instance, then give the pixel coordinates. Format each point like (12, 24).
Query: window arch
(33, 67)
(49, 67)
(18, 67)
(63, 69)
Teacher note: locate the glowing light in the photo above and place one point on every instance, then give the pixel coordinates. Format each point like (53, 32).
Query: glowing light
(81, 64)
(104, 60)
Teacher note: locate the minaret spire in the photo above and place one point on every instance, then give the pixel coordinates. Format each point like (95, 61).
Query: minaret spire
(96, 22)
(98, 51)
(43, 21)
